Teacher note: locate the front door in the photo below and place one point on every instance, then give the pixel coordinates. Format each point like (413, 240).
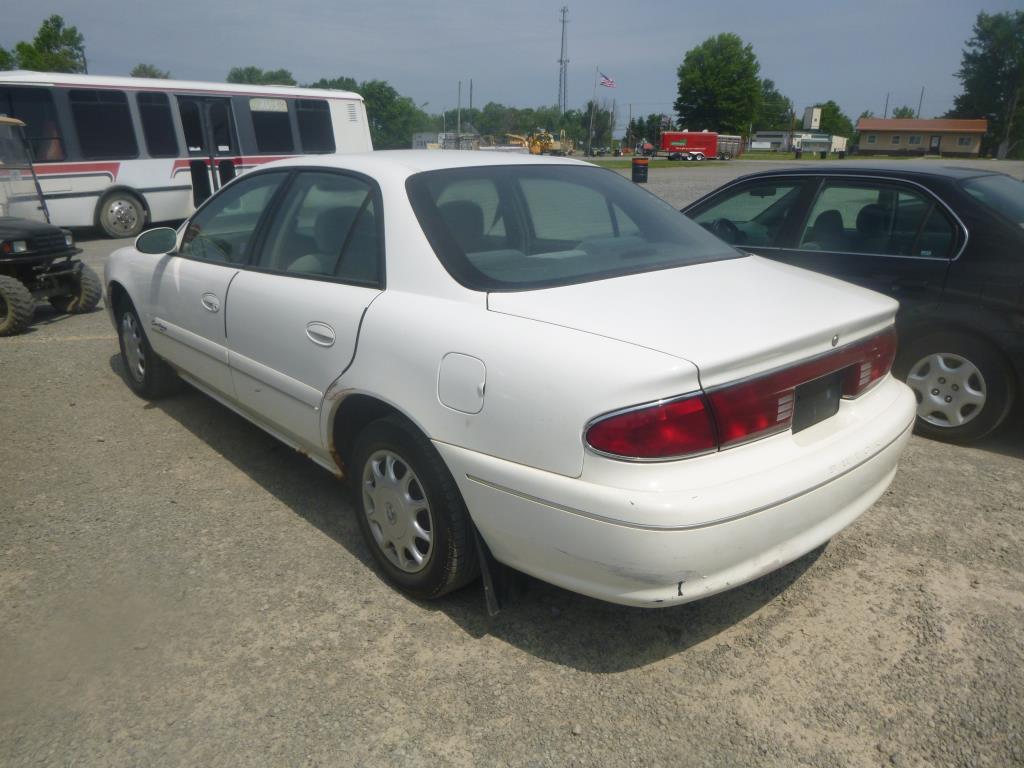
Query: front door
(188, 317)
(319, 268)
(934, 145)
(211, 141)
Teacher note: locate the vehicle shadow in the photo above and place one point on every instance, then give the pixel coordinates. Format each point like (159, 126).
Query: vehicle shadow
(538, 620)
(1008, 440)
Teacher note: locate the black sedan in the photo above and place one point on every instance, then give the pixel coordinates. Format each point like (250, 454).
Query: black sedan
(948, 243)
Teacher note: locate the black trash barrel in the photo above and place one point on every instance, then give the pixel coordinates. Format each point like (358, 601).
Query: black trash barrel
(823, 154)
(640, 170)
(799, 153)
(842, 154)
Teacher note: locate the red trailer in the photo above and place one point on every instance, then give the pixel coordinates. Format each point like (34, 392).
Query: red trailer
(698, 145)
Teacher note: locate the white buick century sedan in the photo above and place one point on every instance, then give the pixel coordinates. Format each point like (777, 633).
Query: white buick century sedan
(525, 361)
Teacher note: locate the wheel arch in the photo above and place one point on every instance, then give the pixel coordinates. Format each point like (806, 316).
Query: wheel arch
(117, 295)
(354, 411)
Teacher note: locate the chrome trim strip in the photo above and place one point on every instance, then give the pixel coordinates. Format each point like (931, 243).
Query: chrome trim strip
(825, 175)
(693, 526)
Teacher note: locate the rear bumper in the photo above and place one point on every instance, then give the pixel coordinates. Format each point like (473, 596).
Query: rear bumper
(685, 530)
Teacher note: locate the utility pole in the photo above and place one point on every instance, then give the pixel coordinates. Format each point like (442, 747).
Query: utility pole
(563, 66)
(458, 120)
(593, 105)
(920, 102)
(885, 114)
(471, 95)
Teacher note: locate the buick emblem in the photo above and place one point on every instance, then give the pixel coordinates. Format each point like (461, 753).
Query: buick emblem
(835, 340)
(389, 510)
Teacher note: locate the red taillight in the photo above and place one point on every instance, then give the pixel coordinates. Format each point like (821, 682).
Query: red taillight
(741, 412)
(663, 430)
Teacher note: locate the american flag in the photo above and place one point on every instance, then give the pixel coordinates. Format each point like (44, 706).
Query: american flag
(606, 81)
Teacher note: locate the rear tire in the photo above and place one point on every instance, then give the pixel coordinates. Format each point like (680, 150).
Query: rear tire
(963, 384)
(84, 298)
(16, 306)
(121, 214)
(410, 511)
(146, 373)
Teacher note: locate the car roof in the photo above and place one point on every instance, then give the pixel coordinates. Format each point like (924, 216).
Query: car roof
(412, 161)
(908, 169)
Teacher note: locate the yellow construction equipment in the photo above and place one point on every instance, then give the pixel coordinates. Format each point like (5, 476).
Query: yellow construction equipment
(542, 142)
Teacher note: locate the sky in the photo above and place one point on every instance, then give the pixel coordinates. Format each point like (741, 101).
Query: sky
(851, 51)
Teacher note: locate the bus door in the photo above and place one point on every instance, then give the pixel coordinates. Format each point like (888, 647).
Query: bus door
(211, 141)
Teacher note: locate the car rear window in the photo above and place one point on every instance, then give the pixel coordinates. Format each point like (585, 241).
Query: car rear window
(1003, 194)
(518, 227)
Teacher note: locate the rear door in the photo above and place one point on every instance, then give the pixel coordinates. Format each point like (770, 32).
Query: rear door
(887, 235)
(294, 314)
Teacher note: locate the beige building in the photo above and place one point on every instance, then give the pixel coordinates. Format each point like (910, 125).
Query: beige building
(950, 138)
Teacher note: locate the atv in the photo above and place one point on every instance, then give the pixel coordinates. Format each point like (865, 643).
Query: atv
(36, 258)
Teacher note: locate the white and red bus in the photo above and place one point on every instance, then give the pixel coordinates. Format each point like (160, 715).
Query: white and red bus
(121, 152)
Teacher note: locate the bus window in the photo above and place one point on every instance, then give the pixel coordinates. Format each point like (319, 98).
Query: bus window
(315, 129)
(103, 124)
(192, 123)
(219, 113)
(157, 124)
(271, 125)
(34, 107)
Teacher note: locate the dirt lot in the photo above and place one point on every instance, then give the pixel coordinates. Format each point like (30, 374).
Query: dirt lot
(176, 588)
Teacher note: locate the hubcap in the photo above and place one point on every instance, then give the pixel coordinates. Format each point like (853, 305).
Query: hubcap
(397, 510)
(122, 216)
(950, 389)
(135, 357)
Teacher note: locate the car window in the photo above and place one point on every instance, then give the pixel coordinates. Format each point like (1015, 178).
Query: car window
(560, 224)
(222, 229)
(753, 215)
(877, 218)
(326, 226)
(1003, 194)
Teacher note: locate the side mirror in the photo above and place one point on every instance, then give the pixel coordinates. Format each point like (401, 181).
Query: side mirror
(157, 241)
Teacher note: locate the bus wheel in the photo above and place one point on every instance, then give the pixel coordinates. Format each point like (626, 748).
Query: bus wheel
(121, 215)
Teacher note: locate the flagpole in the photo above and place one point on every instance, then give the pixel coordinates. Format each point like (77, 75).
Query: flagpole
(593, 103)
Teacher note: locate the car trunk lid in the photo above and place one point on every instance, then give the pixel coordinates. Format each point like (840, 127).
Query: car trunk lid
(732, 319)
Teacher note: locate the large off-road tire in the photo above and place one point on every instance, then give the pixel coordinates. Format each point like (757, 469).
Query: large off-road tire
(85, 295)
(121, 214)
(147, 374)
(410, 511)
(963, 384)
(16, 306)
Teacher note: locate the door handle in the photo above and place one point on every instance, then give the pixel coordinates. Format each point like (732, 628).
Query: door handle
(210, 302)
(321, 334)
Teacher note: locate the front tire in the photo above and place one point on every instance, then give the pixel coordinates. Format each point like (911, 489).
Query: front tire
(410, 511)
(84, 297)
(147, 374)
(963, 385)
(16, 306)
(121, 214)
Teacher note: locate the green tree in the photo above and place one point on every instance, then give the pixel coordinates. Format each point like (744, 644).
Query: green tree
(393, 118)
(719, 87)
(904, 113)
(7, 59)
(55, 48)
(335, 84)
(776, 111)
(257, 76)
(148, 70)
(992, 75)
(833, 120)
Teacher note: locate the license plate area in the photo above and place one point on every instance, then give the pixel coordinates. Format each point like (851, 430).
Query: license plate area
(817, 400)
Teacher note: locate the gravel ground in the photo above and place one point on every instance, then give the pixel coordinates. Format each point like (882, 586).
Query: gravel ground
(176, 588)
